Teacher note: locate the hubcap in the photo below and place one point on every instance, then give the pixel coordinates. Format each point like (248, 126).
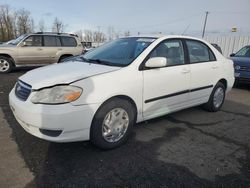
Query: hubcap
(218, 97)
(4, 65)
(115, 125)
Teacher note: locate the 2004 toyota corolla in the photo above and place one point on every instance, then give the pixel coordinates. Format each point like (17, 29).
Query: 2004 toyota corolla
(100, 96)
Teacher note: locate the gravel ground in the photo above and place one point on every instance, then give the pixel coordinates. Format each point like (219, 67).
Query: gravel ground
(190, 148)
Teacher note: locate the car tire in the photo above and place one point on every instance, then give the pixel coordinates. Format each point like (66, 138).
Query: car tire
(107, 126)
(6, 64)
(216, 98)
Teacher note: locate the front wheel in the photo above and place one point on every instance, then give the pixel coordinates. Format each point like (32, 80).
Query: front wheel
(216, 99)
(112, 124)
(6, 64)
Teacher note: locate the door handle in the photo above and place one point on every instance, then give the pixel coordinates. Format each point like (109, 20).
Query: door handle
(185, 71)
(59, 48)
(215, 67)
(39, 49)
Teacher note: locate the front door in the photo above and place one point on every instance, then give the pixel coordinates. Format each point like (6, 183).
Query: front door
(166, 89)
(32, 51)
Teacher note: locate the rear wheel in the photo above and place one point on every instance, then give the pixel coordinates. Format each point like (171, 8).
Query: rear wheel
(112, 124)
(216, 99)
(6, 64)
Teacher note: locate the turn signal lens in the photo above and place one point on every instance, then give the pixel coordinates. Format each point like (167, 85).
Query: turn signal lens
(72, 96)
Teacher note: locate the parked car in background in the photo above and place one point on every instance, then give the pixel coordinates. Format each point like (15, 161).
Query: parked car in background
(217, 47)
(241, 61)
(87, 46)
(102, 94)
(38, 49)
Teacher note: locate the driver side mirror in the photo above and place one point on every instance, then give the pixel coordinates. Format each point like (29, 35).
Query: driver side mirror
(233, 54)
(23, 44)
(156, 62)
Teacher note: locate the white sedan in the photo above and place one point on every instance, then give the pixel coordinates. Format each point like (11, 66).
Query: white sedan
(100, 95)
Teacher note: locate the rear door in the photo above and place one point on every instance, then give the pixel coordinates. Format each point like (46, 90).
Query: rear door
(204, 71)
(69, 45)
(52, 48)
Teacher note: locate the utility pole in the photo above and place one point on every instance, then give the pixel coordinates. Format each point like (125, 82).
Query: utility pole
(205, 23)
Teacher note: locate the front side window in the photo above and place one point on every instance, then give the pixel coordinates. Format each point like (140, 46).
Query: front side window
(68, 41)
(51, 41)
(34, 40)
(172, 50)
(199, 52)
(120, 52)
(243, 52)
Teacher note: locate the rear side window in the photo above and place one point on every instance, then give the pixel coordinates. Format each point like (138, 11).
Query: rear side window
(51, 41)
(68, 41)
(199, 52)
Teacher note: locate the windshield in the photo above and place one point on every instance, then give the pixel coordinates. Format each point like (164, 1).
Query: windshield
(120, 52)
(243, 52)
(17, 40)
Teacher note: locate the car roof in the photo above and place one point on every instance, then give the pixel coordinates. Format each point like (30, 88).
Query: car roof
(165, 37)
(54, 34)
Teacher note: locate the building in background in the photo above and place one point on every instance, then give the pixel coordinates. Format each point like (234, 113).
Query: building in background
(229, 44)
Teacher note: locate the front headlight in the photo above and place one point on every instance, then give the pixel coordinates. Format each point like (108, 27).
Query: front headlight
(57, 95)
(237, 67)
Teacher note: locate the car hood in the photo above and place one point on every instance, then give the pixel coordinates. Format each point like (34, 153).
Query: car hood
(7, 46)
(63, 73)
(242, 61)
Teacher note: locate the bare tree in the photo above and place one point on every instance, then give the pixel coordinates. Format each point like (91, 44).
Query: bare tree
(117, 35)
(25, 24)
(88, 36)
(111, 33)
(14, 24)
(6, 22)
(127, 33)
(79, 33)
(99, 37)
(58, 26)
(2, 27)
(41, 26)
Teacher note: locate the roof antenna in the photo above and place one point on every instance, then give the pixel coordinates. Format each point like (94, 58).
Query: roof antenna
(186, 29)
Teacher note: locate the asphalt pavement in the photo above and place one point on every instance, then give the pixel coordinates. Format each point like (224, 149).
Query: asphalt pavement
(190, 148)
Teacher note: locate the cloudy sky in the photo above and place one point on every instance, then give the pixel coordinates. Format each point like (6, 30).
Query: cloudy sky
(144, 16)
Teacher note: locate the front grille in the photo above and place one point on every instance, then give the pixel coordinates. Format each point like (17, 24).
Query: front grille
(22, 90)
(244, 68)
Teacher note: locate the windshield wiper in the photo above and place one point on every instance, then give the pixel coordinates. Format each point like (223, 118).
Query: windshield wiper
(99, 61)
(90, 60)
(103, 62)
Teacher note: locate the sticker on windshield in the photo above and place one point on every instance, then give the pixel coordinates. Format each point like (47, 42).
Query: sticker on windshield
(145, 40)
